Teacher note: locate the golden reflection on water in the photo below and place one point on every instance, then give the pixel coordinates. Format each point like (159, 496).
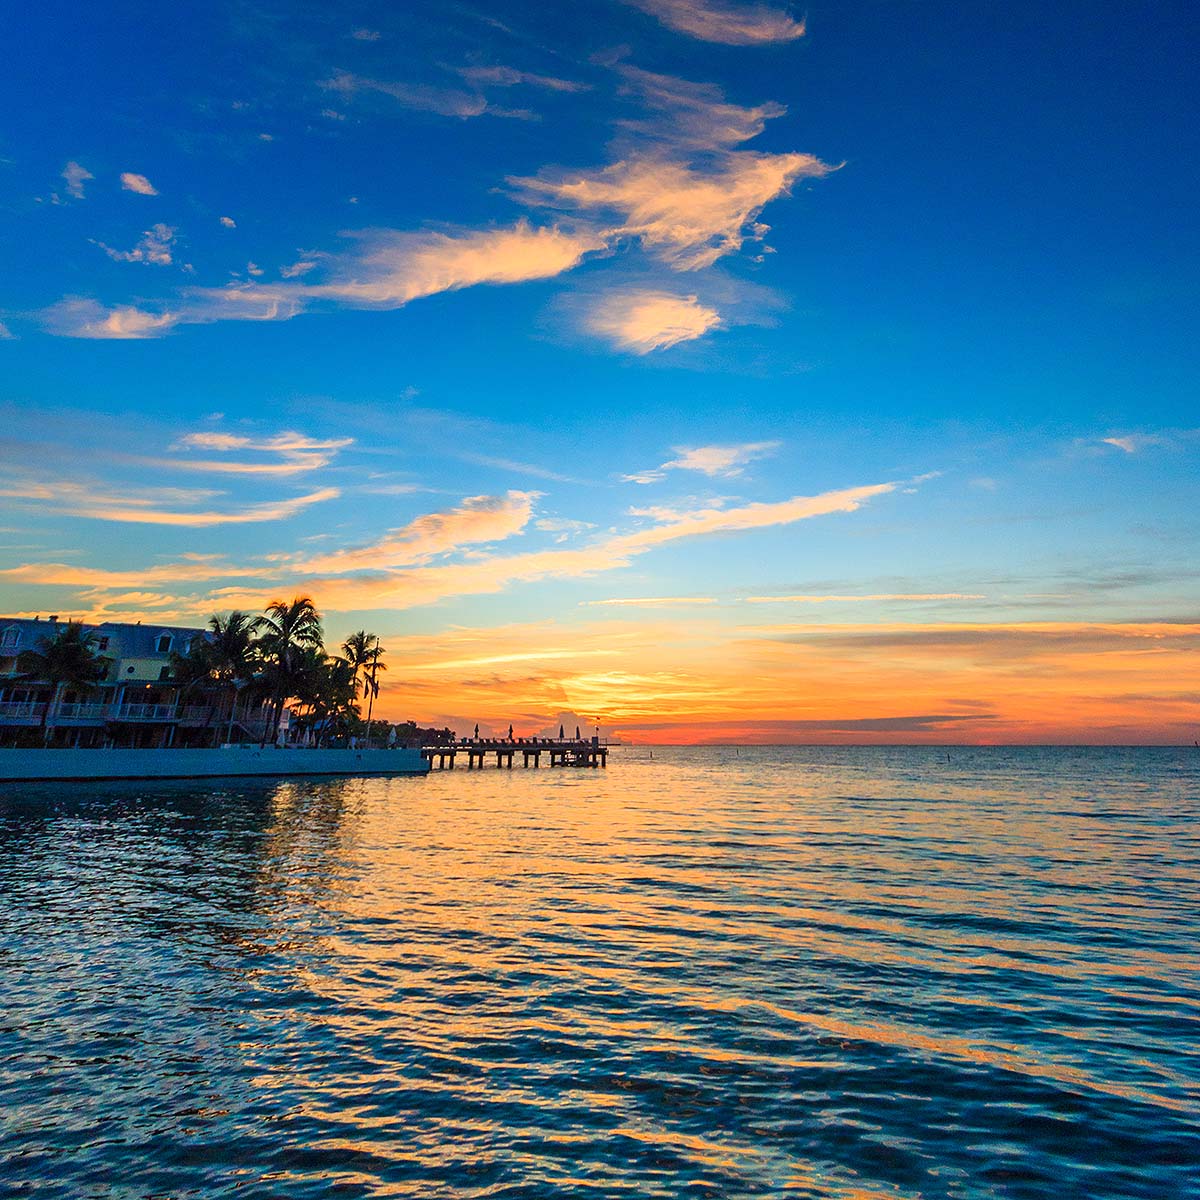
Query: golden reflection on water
(643, 933)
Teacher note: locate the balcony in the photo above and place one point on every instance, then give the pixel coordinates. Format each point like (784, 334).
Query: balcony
(143, 712)
(21, 712)
(81, 712)
(29, 712)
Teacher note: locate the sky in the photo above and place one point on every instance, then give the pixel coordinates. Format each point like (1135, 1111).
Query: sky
(704, 370)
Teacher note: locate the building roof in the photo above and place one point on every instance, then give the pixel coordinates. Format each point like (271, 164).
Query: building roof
(126, 640)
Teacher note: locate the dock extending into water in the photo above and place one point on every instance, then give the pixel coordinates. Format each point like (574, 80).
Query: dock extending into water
(559, 752)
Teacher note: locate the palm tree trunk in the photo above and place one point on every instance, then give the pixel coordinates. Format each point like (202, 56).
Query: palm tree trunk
(54, 695)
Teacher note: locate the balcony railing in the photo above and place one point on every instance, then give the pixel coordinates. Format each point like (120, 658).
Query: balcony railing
(200, 714)
(29, 712)
(81, 712)
(26, 712)
(20, 712)
(145, 712)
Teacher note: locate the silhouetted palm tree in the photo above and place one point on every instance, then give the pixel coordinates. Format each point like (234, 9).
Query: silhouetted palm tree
(286, 629)
(371, 682)
(193, 671)
(364, 653)
(357, 649)
(234, 655)
(325, 689)
(65, 660)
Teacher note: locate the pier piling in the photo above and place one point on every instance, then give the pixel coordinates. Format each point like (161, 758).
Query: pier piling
(560, 752)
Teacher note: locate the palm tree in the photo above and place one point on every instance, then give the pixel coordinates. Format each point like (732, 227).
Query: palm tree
(357, 649)
(286, 629)
(233, 654)
(65, 660)
(363, 652)
(336, 693)
(194, 672)
(371, 682)
(326, 691)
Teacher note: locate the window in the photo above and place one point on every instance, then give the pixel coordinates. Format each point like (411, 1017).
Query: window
(102, 644)
(165, 673)
(10, 639)
(163, 645)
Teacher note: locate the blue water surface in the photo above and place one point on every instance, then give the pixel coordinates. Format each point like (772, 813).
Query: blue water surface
(813, 972)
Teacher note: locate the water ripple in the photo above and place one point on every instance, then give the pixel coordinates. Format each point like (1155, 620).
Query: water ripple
(827, 972)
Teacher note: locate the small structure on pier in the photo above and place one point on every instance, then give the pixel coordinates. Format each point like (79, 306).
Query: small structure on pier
(559, 752)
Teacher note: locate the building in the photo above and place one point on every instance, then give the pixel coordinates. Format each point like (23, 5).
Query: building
(137, 703)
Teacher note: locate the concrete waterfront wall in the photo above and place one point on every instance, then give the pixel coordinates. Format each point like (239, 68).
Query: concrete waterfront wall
(26, 764)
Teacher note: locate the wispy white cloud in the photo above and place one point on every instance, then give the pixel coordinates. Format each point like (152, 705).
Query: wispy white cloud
(229, 222)
(1131, 443)
(274, 510)
(650, 602)
(476, 521)
(295, 453)
(686, 214)
(76, 176)
(684, 115)
(1135, 443)
(99, 579)
(533, 470)
(133, 182)
(563, 525)
(144, 508)
(6, 334)
(714, 461)
(547, 654)
(154, 247)
(78, 316)
(429, 582)
(423, 97)
(396, 268)
(724, 21)
(905, 597)
(366, 35)
(641, 320)
(388, 270)
(433, 557)
(500, 76)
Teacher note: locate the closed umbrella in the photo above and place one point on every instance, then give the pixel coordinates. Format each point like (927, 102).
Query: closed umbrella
(477, 731)
(510, 737)
(561, 733)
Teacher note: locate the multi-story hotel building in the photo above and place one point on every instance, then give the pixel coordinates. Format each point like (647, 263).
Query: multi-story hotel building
(137, 703)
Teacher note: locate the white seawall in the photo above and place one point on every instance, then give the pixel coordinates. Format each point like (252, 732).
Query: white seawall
(23, 764)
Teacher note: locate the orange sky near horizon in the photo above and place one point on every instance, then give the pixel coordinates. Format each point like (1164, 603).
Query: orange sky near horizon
(698, 680)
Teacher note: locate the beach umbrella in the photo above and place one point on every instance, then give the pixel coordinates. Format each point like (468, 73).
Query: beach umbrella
(561, 733)
(510, 731)
(577, 733)
(476, 730)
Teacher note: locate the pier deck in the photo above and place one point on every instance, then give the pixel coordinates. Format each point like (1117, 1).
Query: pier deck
(559, 752)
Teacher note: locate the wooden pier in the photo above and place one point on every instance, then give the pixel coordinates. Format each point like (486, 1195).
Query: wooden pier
(559, 752)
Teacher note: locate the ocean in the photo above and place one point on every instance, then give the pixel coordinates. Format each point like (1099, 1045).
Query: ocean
(813, 972)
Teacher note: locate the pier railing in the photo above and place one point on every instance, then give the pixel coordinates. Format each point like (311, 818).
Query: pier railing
(559, 752)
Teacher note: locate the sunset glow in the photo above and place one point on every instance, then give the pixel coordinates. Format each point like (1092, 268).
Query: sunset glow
(663, 366)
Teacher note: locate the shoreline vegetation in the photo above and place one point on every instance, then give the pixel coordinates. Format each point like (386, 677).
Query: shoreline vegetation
(237, 679)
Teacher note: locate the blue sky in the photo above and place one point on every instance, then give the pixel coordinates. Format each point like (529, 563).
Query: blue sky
(478, 318)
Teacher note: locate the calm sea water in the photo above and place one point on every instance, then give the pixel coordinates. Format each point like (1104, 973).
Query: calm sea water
(855, 973)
